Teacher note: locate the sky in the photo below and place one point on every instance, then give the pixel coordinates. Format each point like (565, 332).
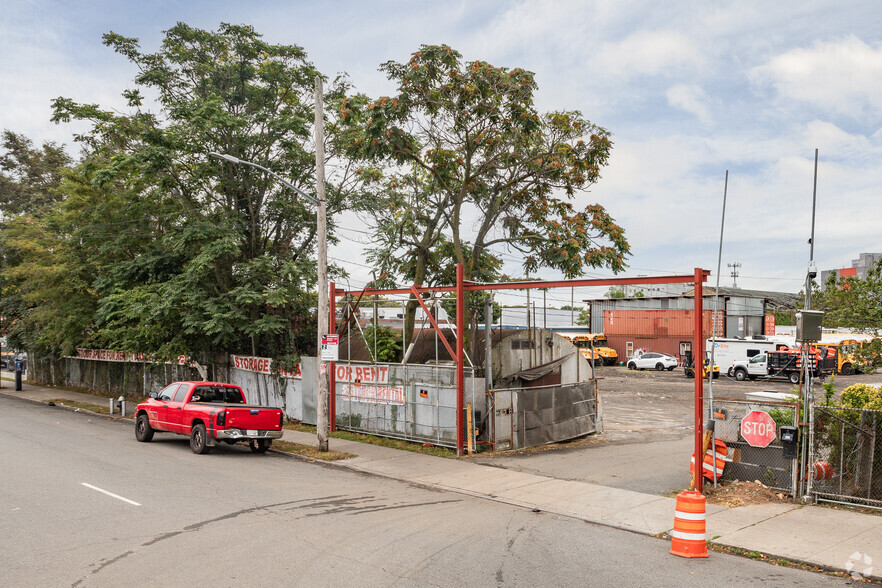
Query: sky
(690, 90)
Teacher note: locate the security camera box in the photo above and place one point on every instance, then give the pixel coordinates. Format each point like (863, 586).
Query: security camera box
(808, 325)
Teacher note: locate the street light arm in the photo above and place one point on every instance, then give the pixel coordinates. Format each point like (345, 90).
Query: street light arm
(285, 182)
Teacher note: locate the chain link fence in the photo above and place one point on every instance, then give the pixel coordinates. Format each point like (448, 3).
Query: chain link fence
(402, 401)
(745, 461)
(846, 456)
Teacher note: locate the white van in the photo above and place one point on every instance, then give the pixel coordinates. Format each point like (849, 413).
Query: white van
(728, 351)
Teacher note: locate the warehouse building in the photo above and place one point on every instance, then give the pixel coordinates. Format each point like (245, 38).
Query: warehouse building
(663, 323)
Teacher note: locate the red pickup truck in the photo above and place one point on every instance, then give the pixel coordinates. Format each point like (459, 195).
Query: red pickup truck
(208, 412)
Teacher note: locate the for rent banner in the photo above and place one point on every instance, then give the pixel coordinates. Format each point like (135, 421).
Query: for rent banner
(367, 384)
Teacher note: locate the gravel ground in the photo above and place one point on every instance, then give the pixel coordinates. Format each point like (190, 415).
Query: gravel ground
(648, 420)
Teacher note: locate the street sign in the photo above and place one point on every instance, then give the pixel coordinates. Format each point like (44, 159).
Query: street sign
(758, 428)
(330, 348)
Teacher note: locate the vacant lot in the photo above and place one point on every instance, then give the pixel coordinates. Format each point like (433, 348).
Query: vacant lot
(648, 420)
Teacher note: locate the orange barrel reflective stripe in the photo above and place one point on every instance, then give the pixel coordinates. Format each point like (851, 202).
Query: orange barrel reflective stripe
(712, 459)
(688, 535)
(822, 470)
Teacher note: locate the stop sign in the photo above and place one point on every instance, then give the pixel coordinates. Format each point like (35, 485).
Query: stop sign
(758, 428)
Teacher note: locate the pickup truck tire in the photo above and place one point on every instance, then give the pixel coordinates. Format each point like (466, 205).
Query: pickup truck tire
(143, 430)
(260, 445)
(740, 375)
(199, 439)
(794, 377)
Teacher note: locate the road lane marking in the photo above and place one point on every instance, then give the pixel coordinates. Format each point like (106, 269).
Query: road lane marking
(110, 494)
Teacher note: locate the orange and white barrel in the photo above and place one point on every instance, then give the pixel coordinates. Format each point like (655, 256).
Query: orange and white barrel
(714, 459)
(688, 538)
(821, 470)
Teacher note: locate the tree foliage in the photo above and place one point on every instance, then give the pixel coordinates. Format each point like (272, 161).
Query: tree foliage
(465, 139)
(851, 302)
(459, 157)
(181, 252)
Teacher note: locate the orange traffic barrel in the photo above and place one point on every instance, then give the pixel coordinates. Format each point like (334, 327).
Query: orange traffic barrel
(688, 536)
(821, 471)
(714, 459)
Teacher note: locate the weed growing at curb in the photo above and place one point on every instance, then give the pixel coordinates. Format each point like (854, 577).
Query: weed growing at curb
(310, 452)
(381, 441)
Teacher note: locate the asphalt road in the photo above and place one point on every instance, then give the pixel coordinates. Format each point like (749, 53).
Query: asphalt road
(83, 504)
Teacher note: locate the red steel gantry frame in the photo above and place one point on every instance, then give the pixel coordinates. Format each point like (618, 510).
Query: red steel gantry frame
(698, 278)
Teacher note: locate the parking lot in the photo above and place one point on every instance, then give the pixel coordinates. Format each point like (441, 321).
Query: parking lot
(648, 427)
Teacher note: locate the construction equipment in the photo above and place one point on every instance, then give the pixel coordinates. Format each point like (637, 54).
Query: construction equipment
(689, 366)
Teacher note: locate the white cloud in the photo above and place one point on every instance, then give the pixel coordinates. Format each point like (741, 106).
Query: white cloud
(691, 99)
(844, 76)
(649, 53)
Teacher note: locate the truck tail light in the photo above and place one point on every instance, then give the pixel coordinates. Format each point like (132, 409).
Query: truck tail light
(281, 419)
(222, 418)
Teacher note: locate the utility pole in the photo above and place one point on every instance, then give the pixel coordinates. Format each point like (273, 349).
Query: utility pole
(734, 273)
(322, 417)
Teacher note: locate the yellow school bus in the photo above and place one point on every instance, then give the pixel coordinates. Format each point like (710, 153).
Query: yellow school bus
(602, 352)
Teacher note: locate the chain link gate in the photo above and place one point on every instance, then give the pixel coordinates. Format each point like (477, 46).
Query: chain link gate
(745, 462)
(846, 455)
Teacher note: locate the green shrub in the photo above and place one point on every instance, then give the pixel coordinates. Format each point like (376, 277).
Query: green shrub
(858, 395)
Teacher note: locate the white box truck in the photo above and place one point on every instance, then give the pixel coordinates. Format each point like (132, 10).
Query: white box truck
(728, 351)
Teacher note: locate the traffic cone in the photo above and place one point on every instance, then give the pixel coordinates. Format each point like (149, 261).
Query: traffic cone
(688, 536)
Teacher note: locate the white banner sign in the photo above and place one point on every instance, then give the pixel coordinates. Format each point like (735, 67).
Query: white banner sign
(367, 384)
(262, 365)
(109, 355)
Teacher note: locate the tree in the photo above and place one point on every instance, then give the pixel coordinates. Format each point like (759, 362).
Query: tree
(851, 302)
(228, 261)
(584, 317)
(30, 179)
(480, 165)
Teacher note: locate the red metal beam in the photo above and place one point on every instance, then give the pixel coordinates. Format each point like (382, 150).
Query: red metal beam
(698, 365)
(676, 279)
(460, 372)
(434, 324)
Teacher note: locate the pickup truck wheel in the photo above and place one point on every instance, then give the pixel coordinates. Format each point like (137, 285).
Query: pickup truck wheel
(740, 375)
(143, 430)
(260, 445)
(199, 439)
(794, 377)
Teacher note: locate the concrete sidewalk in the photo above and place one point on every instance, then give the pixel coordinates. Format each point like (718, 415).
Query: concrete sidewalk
(830, 538)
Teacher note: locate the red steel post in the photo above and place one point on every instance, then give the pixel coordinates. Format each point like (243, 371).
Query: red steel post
(332, 329)
(460, 330)
(698, 365)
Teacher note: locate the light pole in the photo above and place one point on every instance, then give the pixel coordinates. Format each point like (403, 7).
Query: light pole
(322, 419)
